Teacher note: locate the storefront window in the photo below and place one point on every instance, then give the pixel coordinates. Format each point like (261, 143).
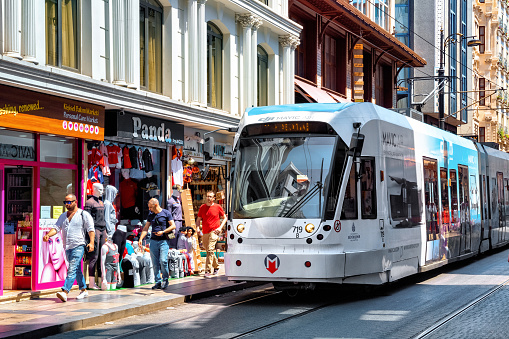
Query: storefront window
(17, 145)
(58, 150)
(55, 184)
(135, 172)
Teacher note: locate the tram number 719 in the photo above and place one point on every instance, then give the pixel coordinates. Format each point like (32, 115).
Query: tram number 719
(297, 230)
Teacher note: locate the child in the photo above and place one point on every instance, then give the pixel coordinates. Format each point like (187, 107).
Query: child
(191, 246)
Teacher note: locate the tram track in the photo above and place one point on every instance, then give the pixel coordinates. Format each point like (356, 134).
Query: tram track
(270, 293)
(269, 290)
(436, 326)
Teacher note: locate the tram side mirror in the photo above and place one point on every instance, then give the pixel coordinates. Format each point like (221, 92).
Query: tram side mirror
(356, 145)
(208, 148)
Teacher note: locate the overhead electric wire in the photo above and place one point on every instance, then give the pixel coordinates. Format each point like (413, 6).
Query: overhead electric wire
(434, 46)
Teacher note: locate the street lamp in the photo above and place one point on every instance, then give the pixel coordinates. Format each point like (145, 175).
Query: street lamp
(453, 38)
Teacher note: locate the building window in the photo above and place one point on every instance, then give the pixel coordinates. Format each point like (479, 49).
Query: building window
(62, 47)
(382, 13)
(150, 45)
(330, 72)
(453, 53)
(482, 37)
(214, 66)
(482, 134)
(361, 5)
(463, 67)
(482, 93)
(263, 77)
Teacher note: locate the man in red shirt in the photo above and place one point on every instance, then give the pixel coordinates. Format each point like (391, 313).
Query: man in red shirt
(210, 213)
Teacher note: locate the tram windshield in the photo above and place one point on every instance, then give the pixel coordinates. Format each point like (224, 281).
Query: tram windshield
(282, 177)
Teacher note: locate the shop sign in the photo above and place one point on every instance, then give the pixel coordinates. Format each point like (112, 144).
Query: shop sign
(43, 113)
(140, 127)
(8, 151)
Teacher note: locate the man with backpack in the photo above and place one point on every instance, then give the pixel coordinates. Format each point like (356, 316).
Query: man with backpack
(74, 223)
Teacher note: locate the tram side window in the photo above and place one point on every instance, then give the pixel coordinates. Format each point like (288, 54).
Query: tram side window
(335, 181)
(350, 202)
(464, 194)
(444, 197)
(402, 192)
(368, 192)
(454, 199)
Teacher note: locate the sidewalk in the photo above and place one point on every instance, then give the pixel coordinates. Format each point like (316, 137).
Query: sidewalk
(47, 315)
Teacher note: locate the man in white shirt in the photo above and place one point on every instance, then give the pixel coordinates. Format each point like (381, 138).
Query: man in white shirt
(74, 223)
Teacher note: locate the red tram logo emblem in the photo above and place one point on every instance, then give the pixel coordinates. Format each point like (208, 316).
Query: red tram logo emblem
(271, 263)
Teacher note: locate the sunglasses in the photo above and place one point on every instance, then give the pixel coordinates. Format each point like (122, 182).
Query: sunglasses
(68, 202)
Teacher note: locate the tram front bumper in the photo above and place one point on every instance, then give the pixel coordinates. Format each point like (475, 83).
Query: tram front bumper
(284, 266)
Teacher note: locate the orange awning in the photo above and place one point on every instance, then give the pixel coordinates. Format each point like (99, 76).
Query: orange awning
(317, 94)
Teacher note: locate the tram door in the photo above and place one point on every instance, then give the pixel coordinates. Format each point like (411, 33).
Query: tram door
(445, 215)
(506, 208)
(500, 206)
(465, 225)
(432, 210)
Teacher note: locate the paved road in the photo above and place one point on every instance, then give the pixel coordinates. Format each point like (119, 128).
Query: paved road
(402, 310)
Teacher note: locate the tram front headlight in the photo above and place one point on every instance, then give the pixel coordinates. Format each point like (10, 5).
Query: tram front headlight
(241, 228)
(310, 228)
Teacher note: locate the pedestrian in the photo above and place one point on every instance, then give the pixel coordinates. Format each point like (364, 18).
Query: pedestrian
(175, 207)
(209, 214)
(73, 224)
(162, 230)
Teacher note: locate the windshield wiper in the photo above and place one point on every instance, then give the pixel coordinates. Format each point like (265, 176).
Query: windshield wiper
(317, 187)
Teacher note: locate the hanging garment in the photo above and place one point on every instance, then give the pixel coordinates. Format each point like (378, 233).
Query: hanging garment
(147, 160)
(106, 165)
(141, 164)
(95, 173)
(114, 155)
(177, 171)
(133, 155)
(94, 156)
(128, 190)
(126, 158)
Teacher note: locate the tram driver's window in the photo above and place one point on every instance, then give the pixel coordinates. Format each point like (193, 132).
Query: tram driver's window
(368, 193)
(350, 202)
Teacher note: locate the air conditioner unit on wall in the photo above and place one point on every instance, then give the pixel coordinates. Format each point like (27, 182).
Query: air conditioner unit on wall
(410, 112)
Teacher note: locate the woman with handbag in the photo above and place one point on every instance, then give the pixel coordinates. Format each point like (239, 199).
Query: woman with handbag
(163, 229)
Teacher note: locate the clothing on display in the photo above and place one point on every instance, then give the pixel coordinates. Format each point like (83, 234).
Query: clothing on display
(104, 153)
(147, 160)
(177, 171)
(133, 156)
(114, 155)
(110, 263)
(125, 157)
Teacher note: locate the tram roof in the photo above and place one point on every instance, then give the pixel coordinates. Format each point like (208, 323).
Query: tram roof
(318, 107)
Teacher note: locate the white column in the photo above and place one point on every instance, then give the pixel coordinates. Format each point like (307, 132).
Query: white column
(119, 42)
(246, 20)
(202, 53)
(193, 50)
(12, 28)
(285, 41)
(257, 22)
(28, 31)
(289, 44)
(295, 43)
(131, 21)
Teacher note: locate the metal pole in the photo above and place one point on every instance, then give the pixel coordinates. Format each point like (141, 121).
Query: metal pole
(441, 73)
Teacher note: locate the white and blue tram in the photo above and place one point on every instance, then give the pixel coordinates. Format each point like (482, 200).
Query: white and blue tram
(357, 194)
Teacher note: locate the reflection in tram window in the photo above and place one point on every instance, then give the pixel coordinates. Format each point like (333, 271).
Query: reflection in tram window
(444, 197)
(403, 193)
(431, 198)
(454, 224)
(350, 202)
(368, 193)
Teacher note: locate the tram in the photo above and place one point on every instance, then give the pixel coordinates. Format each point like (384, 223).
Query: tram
(353, 193)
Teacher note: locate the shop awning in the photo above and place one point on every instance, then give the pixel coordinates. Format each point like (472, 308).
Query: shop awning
(317, 94)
